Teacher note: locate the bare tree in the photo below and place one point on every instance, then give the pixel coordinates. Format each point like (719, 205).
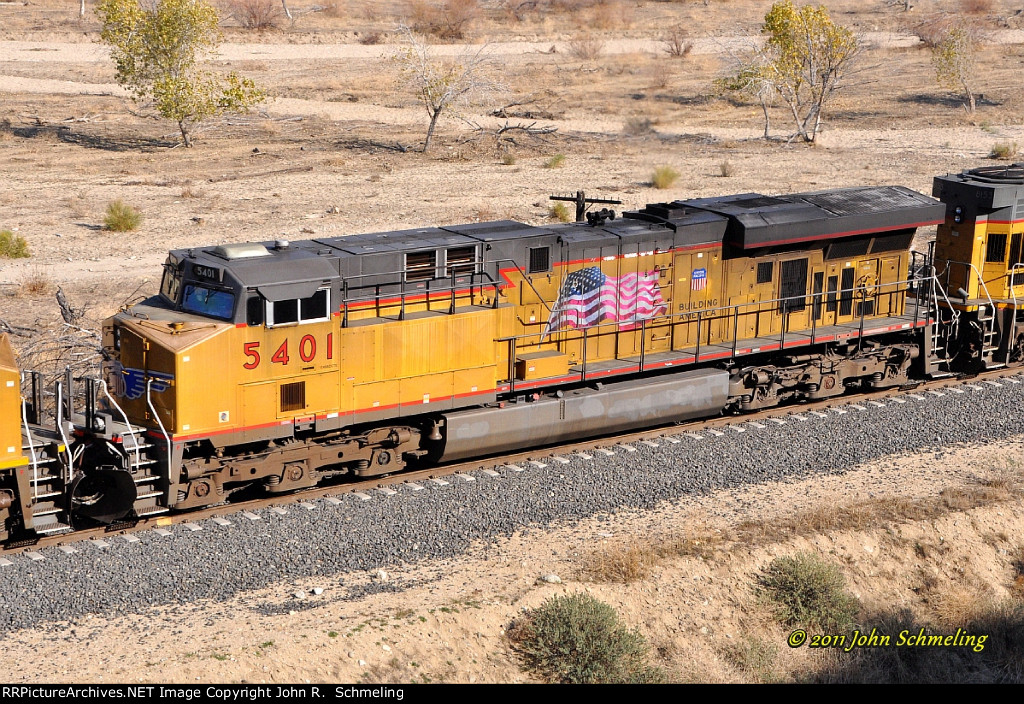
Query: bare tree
(753, 79)
(442, 84)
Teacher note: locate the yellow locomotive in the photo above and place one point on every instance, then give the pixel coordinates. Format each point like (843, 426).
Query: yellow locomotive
(280, 364)
(284, 363)
(34, 472)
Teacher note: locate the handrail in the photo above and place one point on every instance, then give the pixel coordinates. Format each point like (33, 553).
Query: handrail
(59, 418)
(699, 317)
(156, 417)
(721, 309)
(1010, 274)
(31, 445)
(135, 440)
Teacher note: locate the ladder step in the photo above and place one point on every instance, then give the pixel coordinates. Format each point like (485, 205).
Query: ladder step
(43, 479)
(145, 478)
(47, 512)
(48, 495)
(151, 511)
(54, 528)
(149, 495)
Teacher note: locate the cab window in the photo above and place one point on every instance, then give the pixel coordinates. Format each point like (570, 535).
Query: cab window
(291, 311)
(171, 284)
(208, 301)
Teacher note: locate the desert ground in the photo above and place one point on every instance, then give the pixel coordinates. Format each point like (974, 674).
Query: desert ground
(594, 101)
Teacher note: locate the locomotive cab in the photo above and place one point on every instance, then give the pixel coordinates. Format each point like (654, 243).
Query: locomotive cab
(980, 263)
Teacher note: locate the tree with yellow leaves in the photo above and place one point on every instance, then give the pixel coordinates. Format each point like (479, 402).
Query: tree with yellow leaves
(954, 62)
(158, 51)
(805, 58)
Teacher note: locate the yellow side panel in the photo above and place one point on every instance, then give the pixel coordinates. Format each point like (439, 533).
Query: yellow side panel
(472, 338)
(10, 405)
(382, 394)
(361, 356)
(421, 389)
(258, 403)
(473, 381)
(208, 401)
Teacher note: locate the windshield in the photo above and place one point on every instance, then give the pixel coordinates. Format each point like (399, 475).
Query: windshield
(208, 301)
(171, 283)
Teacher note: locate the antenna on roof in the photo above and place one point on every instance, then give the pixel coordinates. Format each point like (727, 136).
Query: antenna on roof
(582, 202)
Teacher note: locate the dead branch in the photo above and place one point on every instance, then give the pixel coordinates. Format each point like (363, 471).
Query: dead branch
(71, 315)
(15, 329)
(530, 129)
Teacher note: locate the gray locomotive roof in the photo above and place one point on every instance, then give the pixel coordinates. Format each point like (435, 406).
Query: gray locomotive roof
(756, 220)
(747, 220)
(987, 188)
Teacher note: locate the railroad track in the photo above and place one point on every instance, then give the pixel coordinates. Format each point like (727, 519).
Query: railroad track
(535, 457)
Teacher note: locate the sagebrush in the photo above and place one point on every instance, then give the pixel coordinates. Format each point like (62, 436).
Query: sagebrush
(805, 589)
(13, 246)
(577, 639)
(664, 177)
(122, 217)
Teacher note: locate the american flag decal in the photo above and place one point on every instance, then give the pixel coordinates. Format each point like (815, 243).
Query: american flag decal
(588, 297)
(699, 280)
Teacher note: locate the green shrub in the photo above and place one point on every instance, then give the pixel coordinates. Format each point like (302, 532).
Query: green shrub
(555, 161)
(122, 217)
(1003, 150)
(560, 212)
(13, 246)
(807, 590)
(579, 640)
(664, 177)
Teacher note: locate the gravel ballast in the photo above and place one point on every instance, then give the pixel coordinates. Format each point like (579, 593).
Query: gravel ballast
(444, 520)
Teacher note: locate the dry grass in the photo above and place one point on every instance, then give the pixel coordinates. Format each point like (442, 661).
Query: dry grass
(677, 43)
(259, 15)
(35, 283)
(1017, 577)
(611, 14)
(1003, 150)
(638, 126)
(586, 48)
(122, 217)
(976, 7)
(448, 20)
(632, 562)
(555, 161)
(664, 177)
(560, 212)
(619, 563)
(725, 169)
